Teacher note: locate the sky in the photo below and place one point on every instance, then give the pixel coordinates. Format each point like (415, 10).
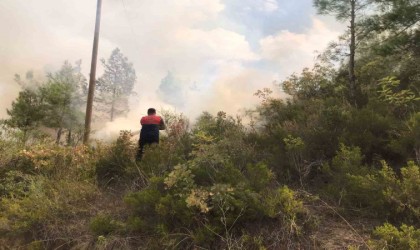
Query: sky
(190, 56)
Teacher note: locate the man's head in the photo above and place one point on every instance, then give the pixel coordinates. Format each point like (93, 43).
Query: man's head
(151, 111)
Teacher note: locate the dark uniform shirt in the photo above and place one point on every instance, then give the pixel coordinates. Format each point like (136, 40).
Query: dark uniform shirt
(151, 125)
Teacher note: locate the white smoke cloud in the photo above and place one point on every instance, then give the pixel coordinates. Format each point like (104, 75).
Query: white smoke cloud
(270, 5)
(293, 51)
(217, 66)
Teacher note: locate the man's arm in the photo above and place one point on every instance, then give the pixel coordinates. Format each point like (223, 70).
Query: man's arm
(162, 125)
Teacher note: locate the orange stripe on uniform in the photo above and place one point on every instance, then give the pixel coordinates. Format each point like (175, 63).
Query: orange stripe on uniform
(150, 119)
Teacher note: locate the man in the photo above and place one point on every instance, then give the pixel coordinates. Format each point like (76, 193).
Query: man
(149, 134)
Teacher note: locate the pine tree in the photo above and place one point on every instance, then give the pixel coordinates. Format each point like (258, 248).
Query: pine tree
(26, 112)
(347, 10)
(116, 85)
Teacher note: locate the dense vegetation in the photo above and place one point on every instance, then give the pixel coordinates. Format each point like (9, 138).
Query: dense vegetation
(335, 165)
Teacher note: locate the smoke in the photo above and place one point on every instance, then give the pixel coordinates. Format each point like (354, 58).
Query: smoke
(190, 55)
(172, 90)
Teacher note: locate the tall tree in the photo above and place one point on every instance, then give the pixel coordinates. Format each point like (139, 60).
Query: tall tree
(63, 99)
(116, 85)
(346, 10)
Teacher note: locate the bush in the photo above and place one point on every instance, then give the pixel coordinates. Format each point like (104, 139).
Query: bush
(104, 225)
(44, 201)
(259, 176)
(403, 194)
(392, 238)
(347, 162)
(54, 161)
(116, 160)
(210, 205)
(214, 194)
(15, 184)
(381, 193)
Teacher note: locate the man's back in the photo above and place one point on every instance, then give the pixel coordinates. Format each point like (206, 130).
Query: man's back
(151, 125)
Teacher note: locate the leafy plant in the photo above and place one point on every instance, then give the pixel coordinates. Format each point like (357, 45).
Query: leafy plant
(390, 237)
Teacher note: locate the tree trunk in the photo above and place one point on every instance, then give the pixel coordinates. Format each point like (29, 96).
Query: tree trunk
(57, 141)
(69, 138)
(352, 76)
(113, 105)
(25, 136)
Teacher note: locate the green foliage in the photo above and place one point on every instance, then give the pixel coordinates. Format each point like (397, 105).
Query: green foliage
(207, 211)
(213, 193)
(388, 194)
(390, 237)
(15, 184)
(44, 202)
(259, 176)
(284, 200)
(222, 184)
(55, 104)
(43, 191)
(380, 192)
(26, 112)
(342, 185)
(116, 85)
(388, 92)
(340, 8)
(116, 160)
(252, 242)
(403, 193)
(414, 126)
(63, 97)
(104, 225)
(53, 160)
(310, 84)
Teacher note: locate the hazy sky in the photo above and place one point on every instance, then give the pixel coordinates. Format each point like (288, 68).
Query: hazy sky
(219, 52)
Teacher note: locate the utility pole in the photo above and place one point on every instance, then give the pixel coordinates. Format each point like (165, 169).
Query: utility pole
(352, 76)
(92, 80)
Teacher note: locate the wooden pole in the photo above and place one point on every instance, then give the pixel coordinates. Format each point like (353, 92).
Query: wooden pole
(92, 80)
(352, 75)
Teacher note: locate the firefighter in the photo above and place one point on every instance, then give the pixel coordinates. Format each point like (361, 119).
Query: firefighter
(149, 134)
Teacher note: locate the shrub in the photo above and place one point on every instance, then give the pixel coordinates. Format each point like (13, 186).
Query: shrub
(45, 201)
(259, 176)
(347, 162)
(210, 205)
(403, 194)
(54, 161)
(15, 184)
(392, 238)
(104, 225)
(382, 193)
(116, 160)
(284, 203)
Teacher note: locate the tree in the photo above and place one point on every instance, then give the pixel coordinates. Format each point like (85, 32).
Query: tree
(346, 10)
(63, 99)
(171, 91)
(311, 83)
(28, 82)
(26, 112)
(115, 85)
